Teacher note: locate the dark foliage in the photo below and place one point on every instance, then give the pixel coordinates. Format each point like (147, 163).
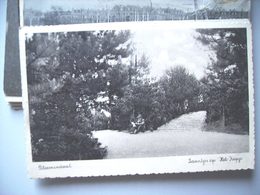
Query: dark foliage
(157, 101)
(67, 73)
(226, 82)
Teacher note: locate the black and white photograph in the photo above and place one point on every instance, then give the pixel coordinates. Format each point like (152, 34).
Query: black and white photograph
(138, 92)
(50, 12)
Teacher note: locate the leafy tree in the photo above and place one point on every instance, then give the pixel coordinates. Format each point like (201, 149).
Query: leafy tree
(157, 101)
(142, 98)
(135, 92)
(179, 87)
(139, 69)
(226, 82)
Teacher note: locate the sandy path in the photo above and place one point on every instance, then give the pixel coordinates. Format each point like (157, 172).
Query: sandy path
(181, 136)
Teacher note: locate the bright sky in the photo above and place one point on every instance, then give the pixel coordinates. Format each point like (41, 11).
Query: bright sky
(187, 5)
(169, 48)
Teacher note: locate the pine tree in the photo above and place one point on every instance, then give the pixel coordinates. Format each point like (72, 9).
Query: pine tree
(66, 74)
(226, 81)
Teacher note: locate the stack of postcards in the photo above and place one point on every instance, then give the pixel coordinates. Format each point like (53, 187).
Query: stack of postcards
(12, 73)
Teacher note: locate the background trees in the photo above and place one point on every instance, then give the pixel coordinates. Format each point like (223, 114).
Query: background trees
(226, 81)
(158, 101)
(180, 89)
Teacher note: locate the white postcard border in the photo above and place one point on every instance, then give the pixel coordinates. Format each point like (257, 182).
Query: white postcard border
(133, 166)
(21, 12)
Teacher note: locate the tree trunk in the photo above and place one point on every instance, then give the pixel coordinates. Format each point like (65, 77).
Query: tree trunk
(223, 116)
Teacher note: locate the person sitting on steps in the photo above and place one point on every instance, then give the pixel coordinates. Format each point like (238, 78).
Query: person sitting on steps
(139, 123)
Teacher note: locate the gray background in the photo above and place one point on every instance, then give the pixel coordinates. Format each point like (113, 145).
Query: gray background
(14, 179)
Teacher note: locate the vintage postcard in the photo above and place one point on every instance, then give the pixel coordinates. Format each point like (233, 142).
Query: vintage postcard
(50, 12)
(138, 98)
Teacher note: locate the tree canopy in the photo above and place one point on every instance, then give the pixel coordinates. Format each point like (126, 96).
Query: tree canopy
(67, 72)
(226, 81)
